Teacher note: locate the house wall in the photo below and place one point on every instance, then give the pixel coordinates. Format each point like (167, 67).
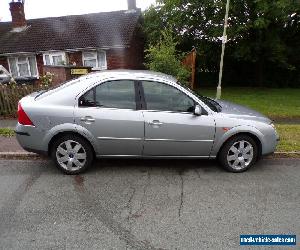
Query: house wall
(116, 58)
(64, 73)
(131, 57)
(124, 58)
(59, 73)
(136, 49)
(128, 58)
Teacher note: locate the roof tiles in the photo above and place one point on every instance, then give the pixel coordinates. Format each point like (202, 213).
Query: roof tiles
(99, 30)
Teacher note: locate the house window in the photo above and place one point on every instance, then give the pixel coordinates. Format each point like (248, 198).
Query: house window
(54, 58)
(23, 66)
(95, 59)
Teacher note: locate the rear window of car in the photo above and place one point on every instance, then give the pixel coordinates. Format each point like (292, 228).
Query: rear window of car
(57, 87)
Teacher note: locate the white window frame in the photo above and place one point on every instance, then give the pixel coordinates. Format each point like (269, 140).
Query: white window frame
(56, 53)
(105, 60)
(95, 56)
(28, 65)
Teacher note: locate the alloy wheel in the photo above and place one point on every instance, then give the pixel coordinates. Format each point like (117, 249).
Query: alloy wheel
(240, 155)
(71, 155)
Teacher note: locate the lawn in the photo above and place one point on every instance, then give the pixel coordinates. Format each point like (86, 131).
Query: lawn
(274, 103)
(289, 137)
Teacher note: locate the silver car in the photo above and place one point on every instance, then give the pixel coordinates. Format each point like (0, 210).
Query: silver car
(139, 114)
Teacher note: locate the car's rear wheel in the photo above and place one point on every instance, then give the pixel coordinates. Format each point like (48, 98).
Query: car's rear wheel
(238, 154)
(72, 154)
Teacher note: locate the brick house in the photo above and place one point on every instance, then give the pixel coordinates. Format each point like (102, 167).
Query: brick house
(107, 40)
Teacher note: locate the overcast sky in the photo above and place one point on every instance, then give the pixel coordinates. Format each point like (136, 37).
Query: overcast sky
(47, 8)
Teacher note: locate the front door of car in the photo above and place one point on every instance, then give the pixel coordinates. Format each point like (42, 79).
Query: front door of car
(171, 128)
(109, 111)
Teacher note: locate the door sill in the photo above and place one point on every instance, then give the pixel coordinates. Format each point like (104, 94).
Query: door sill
(157, 156)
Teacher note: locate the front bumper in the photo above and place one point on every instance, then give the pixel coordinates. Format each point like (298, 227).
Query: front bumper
(271, 140)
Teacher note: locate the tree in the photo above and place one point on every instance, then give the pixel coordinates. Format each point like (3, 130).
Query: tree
(263, 34)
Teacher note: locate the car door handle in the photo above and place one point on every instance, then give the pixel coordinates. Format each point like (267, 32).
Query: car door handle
(155, 123)
(87, 119)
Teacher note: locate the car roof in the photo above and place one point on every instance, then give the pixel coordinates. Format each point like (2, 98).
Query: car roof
(84, 82)
(130, 74)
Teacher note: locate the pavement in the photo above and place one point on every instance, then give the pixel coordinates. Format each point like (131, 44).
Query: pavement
(139, 204)
(10, 144)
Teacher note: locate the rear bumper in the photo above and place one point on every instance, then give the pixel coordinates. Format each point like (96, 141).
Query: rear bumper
(21, 133)
(30, 139)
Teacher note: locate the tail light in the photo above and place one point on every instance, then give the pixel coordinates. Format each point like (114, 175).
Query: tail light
(23, 117)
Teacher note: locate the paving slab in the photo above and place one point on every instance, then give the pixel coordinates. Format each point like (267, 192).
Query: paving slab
(10, 144)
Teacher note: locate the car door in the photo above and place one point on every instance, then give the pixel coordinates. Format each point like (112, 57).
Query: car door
(171, 128)
(109, 111)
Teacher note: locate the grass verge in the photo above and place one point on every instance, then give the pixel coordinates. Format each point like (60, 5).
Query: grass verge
(274, 103)
(6, 132)
(289, 137)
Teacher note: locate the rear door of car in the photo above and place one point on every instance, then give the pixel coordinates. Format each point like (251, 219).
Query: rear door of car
(110, 111)
(171, 128)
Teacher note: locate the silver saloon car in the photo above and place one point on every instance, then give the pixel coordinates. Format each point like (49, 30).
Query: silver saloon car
(139, 114)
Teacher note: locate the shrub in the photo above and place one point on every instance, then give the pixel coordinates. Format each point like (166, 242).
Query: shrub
(46, 80)
(163, 57)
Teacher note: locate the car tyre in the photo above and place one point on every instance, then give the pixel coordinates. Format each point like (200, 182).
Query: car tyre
(72, 154)
(238, 154)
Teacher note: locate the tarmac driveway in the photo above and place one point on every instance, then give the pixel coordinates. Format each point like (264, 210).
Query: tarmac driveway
(139, 204)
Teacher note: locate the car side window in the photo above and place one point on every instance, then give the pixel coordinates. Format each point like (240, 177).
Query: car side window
(160, 96)
(87, 100)
(111, 94)
(116, 94)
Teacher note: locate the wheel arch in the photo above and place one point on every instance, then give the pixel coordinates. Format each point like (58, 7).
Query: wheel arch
(251, 135)
(64, 133)
(222, 138)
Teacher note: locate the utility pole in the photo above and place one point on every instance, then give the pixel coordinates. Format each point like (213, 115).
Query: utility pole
(224, 40)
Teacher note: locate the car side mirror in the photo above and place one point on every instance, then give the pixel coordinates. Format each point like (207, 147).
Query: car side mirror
(198, 110)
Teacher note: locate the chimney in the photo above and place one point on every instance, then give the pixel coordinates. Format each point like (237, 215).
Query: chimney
(17, 14)
(131, 4)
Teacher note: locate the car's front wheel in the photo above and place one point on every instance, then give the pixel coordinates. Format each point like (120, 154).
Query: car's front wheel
(238, 154)
(72, 154)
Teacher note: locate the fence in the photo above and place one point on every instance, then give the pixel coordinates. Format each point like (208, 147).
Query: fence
(11, 94)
